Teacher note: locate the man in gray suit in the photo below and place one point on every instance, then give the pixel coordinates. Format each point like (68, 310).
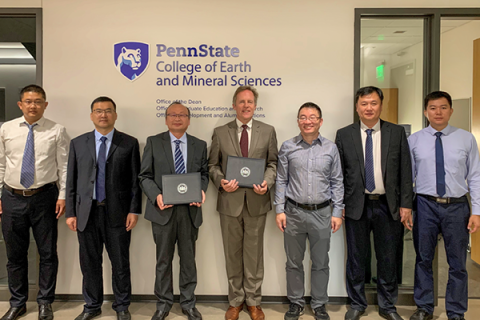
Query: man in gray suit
(243, 210)
(178, 223)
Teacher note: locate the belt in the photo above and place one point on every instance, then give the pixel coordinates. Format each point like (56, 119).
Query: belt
(309, 207)
(375, 197)
(100, 204)
(445, 200)
(29, 192)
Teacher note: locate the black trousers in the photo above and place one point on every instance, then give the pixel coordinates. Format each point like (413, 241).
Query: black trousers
(117, 242)
(19, 215)
(387, 233)
(178, 230)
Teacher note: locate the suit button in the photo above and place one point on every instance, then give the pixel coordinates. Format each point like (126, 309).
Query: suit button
(92, 181)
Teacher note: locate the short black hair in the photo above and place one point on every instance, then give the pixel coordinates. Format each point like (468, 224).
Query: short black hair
(103, 99)
(33, 88)
(365, 91)
(177, 102)
(435, 95)
(310, 105)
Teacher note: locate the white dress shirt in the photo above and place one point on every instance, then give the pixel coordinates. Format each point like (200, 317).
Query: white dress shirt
(51, 153)
(240, 129)
(377, 155)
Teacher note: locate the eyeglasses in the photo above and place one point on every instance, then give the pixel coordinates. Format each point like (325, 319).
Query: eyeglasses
(180, 116)
(100, 111)
(311, 118)
(36, 102)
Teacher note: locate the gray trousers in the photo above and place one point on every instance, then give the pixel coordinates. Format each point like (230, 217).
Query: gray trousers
(316, 226)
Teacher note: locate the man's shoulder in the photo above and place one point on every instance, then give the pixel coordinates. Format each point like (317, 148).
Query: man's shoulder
(262, 125)
(225, 126)
(392, 126)
(346, 129)
(126, 137)
(195, 139)
(82, 137)
(158, 136)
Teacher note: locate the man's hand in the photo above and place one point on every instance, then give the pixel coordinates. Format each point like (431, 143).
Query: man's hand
(406, 218)
(229, 186)
(160, 203)
(60, 208)
(281, 221)
(132, 219)
(72, 223)
(1, 210)
(336, 224)
(260, 189)
(199, 204)
(473, 223)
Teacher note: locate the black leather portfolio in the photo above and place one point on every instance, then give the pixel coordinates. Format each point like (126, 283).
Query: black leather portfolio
(247, 171)
(182, 188)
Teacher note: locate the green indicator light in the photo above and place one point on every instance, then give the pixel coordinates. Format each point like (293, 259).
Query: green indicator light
(381, 37)
(381, 73)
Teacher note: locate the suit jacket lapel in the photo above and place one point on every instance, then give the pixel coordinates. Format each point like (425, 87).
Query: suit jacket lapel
(255, 132)
(232, 132)
(167, 148)
(116, 140)
(190, 150)
(385, 133)
(357, 142)
(91, 145)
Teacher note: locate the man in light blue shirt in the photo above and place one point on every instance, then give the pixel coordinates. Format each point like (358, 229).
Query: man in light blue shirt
(445, 165)
(309, 179)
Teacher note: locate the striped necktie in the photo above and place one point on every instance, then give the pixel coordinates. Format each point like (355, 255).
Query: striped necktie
(179, 164)
(369, 174)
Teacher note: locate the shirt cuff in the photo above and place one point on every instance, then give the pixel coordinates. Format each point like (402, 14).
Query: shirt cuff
(280, 208)
(337, 213)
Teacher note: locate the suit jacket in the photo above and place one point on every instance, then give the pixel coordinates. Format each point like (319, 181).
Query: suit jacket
(263, 145)
(123, 194)
(157, 161)
(396, 168)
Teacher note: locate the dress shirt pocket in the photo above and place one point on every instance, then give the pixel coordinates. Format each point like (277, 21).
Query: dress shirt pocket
(47, 146)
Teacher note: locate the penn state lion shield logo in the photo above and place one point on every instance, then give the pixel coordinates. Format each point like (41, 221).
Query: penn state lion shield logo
(131, 58)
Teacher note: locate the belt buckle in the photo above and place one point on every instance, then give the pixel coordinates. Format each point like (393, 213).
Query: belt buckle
(26, 194)
(374, 197)
(442, 200)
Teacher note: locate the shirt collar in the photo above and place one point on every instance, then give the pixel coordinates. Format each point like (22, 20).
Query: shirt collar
(39, 123)
(109, 135)
(446, 131)
(376, 127)
(299, 139)
(182, 138)
(240, 124)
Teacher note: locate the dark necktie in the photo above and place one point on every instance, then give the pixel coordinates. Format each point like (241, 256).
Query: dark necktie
(439, 165)
(27, 175)
(179, 163)
(369, 175)
(101, 163)
(244, 141)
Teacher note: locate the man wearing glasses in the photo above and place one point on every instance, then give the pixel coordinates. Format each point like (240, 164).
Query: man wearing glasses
(33, 169)
(103, 203)
(309, 179)
(174, 152)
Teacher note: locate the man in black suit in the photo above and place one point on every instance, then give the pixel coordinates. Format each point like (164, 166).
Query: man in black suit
(103, 203)
(378, 196)
(178, 223)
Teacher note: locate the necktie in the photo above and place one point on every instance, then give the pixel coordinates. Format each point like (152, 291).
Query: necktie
(244, 141)
(101, 163)
(27, 175)
(369, 175)
(439, 165)
(179, 164)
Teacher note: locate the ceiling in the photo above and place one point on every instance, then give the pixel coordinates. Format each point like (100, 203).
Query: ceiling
(390, 36)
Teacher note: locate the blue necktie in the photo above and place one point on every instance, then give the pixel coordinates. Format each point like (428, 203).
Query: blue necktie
(101, 163)
(369, 175)
(179, 164)
(27, 175)
(439, 165)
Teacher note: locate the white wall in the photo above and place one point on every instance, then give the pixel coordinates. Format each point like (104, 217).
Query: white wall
(309, 44)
